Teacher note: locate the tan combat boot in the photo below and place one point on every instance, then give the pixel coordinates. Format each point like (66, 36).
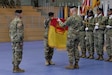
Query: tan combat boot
(70, 66)
(16, 69)
(83, 55)
(110, 59)
(90, 56)
(100, 57)
(52, 63)
(47, 63)
(76, 66)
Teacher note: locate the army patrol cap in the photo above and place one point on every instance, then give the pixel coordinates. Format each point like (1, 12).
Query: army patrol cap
(50, 14)
(18, 11)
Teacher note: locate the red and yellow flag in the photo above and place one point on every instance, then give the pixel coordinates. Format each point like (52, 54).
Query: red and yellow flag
(57, 36)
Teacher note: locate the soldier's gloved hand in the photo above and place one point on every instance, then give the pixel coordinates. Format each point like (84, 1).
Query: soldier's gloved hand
(110, 17)
(85, 38)
(96, 15)
(58, 20)
(86, 28)
(85, 17)
(97, 24)
(96, 27)
(108, 26)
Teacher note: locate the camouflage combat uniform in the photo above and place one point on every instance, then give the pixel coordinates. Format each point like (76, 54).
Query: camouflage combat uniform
(48, 50)
(109, 39)
(12, 3)
(74, 24)
(7, 3)
(18, 3)
(83, 41)
(3, 3)
(90, 37)
(0, 3)
(99, 36)
(16, 36)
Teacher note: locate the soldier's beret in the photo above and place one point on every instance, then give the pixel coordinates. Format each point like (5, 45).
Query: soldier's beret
(18, 11)
(50, 13)
(100, 9)
(73, 7)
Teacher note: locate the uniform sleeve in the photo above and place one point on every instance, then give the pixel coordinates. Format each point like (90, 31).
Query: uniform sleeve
(110, 22)
(20, 29)
(13, 31)
(66, 23)
(103, 22)
(16, 31)
(46, 23)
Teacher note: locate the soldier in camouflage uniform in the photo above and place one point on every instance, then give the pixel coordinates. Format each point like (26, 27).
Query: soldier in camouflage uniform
(3, 3)
(18, 3)
(16, 32)
(12, 4)
(89, 34)
(109, 36)
(7, 3)
(74, 24)
(82, 40)
(48, 50)
(99, 34)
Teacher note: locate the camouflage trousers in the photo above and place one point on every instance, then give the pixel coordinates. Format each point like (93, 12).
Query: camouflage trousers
(99, 41)
(82, 42)
(72, 48)
(48, 50)
(90, 42)
(17, 53)
(109, 43)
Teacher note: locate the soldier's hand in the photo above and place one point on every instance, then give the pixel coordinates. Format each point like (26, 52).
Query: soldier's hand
(110, 17)
(96, 27)
(86, 28)
(108, 26)
(97, 24)
(96, 15)
(85, 17)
